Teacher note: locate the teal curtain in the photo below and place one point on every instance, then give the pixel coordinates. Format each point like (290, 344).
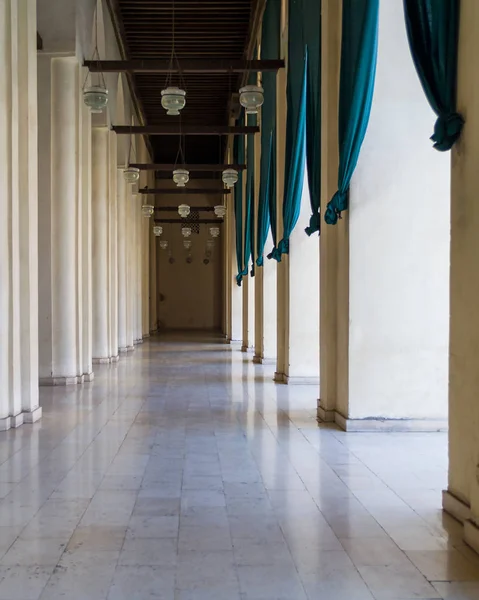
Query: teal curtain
(358, 69)
(295, 127)
(312, 39)
(249, 212)
(238, 154)
(433, 32)
(270, 49)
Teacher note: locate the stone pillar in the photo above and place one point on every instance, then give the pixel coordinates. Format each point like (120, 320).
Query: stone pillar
(462, 496)
(113, 245)
(153, 276)
(122, 260)
(235, 317)
(131, 292)
(101, 275)
(145, 268)
(137, 273)
(86, 238)
(391, 352)
(58, 229)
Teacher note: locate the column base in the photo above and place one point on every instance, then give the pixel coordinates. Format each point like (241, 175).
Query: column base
(11, 422)
(146, 335)
(115, 359)
(88, 377)
(258, 360)
(130, 348)
(244, 348)
(104, 360)
(455, 507)
(32, 416)
(279, 377)
(123, 350)
(325, 414)
(298, 380)
(388, 425)
(49, 381)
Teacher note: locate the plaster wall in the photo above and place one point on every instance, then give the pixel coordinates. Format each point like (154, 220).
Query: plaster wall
(399, 229)
(190, 294)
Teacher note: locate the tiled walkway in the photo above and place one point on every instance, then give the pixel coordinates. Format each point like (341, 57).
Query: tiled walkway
(183, 473)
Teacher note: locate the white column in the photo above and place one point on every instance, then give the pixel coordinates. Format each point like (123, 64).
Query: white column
(131, 287)
(28, 179)
(153, 279)
(236, 291)
(462, 496)
(100, 274)
(137, 268)
(86, 260)
(122, 261)
(113, 245)
(64, 172)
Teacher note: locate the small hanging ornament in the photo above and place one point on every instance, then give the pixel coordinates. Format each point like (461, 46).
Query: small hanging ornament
(95, 97)
(157, 230)
(147, 210)
(181, 177)
(220, 211)
(214, 232)
(173, 99)
(186, 232)
(251, 97)
(187, 244)
(230, 177)
(210, 244)
(163, 244)
(183, 210)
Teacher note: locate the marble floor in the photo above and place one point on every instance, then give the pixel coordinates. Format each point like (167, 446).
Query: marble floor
(184, 473)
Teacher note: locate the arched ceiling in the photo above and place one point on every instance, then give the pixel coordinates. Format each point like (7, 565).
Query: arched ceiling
(201, 29)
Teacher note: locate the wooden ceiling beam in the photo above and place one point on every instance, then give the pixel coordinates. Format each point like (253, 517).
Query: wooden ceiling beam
(185, 130)
(175, 208)
(187, 223)
(185, 191)
(190, 65)
(191, 168)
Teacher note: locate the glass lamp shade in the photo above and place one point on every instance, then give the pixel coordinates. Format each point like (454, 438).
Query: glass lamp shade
(173, 100)
(164, 244)
(147, 210)
(187, 244)
(251, 97)
(186, 232)
(214, 232)
(183, 210)
(96, 98)
(131, 174)
(229, 177)
(210, 244)
(220, 211)
(181, 177)
(157, 230)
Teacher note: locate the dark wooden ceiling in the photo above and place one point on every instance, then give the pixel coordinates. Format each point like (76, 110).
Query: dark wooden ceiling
(202, 29)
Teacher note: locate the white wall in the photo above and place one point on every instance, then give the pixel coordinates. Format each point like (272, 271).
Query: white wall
(399, 226)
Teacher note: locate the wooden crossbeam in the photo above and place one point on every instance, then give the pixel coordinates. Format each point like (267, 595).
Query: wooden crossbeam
(175, 208)
(185, 129)
(191, 168)
(187, 223)
(185, 191)
(191, 65)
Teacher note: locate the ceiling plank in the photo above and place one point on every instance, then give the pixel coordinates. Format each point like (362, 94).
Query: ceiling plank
(185, 191)
(191, 168)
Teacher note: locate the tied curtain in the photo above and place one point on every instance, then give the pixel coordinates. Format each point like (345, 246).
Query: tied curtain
(295, 127)
(359, 47)
(433, 31)
(238, 154)
(312, 40)
(270, 49)
(249, 208)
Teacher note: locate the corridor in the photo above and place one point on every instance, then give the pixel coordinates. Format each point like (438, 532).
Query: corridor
(182, 473)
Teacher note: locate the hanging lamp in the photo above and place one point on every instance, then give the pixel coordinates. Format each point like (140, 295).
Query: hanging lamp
(251, 97)
(95, 96)
(220, 211)
(230, 177)
(157, 230)
(181, 177)
(186, 232)
(187, 244)
(183, 210)
(173, 98)
(214, 232)
(163, 244)
(147, 210)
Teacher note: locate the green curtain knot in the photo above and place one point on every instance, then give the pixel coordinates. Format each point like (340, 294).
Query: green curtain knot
(283, 248)
(447, 130)
(314, 224)
(336, 205)
(259, 261)
(239, 279)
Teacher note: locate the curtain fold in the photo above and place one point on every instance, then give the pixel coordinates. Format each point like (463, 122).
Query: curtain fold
(295, 127)
(238, 157)
(249, 249)
(433, 32)
(270, 49)
(312, 40)
(358, 69)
